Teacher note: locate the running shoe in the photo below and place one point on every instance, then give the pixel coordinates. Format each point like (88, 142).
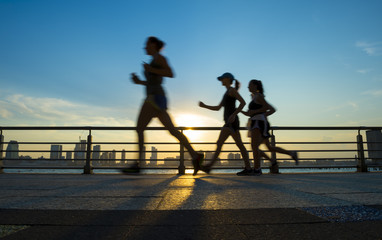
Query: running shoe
(257, 172)
(274, 169)
(206, 169)
(245, 172)
(133, 169)
(197, 162)
(294, 156)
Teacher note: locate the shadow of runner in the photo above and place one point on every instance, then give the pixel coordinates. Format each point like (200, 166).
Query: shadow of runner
(182, 218)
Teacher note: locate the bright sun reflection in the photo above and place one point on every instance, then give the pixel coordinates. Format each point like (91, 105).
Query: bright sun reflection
(190, 120)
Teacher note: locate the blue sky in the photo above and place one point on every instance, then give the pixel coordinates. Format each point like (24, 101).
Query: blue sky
(69, 62)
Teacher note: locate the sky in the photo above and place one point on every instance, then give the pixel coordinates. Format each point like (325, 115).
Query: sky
(68, 63)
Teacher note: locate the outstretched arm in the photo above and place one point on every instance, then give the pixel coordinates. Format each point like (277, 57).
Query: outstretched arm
(213, 108)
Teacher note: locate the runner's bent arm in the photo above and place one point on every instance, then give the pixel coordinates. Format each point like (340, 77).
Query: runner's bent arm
(233, 92)
(164, 70)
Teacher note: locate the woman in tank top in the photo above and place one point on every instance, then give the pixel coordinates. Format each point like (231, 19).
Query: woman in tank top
(155, 104)
(258, 111)
(231, 121)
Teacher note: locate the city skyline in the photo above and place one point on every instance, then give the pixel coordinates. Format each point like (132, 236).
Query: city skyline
(56, 153)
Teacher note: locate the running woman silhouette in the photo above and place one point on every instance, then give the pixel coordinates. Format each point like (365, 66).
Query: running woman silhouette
(232, 124)
(155, 104)
(258, 111)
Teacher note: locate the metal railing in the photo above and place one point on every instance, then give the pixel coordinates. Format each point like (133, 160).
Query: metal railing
(85, 157)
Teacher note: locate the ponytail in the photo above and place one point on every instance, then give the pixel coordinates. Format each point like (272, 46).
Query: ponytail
(237, 85)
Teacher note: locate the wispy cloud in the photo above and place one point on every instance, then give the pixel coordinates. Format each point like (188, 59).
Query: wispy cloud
(353, 105)
(374, 93)
(346, 105)
(364, 71)
(26, 110)
(371, 48)
(4, 113)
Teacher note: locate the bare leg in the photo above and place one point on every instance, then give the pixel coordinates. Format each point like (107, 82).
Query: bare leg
(236, 136)
(165, 118)
(256, 140)
(275, 149)
(147, 113)
(271, 148)
(224, 134)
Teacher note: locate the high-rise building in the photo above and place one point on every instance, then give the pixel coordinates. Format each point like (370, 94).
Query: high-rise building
(123, 154)
(79, 150)
(105, 155)
(68, 155)
(154, 156)
(12, 151)
(55, 152)
(374, 145)
(96, 152)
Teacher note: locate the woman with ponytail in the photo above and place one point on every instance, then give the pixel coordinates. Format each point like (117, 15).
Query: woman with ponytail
(155, 104)
(258, 111)
(232, 124)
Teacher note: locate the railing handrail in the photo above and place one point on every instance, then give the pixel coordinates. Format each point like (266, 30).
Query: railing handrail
(359, 150)
(185, 128)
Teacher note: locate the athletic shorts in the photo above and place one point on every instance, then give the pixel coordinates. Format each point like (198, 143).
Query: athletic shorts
(233, 126)
(157, 101)
(263, 126)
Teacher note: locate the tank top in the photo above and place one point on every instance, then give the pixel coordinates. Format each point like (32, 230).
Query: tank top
(154, 81)
(253, 105)
(229, 104)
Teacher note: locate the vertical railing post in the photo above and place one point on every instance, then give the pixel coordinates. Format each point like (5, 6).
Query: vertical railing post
(361, 166)
(1, 151)
(88, 169)
(273, 144)
(181, 168)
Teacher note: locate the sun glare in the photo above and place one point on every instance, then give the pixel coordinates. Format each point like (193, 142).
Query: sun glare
(190, 120)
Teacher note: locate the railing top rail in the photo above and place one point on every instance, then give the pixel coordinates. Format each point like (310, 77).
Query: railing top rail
(90, 128)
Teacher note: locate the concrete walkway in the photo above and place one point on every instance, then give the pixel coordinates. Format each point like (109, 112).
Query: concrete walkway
(284, 206)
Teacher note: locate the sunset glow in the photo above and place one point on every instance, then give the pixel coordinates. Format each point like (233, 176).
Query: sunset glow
(190, 120)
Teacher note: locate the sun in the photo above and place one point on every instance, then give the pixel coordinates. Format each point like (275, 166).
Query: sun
(190, 120)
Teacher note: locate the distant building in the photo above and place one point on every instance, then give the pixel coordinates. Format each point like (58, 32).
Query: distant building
(123, 154)
(154, 156)
(105, 155)
(55, 152)
(68, 155)
(79, 150)
(12, 151)
(374, 146)
(96, 152)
